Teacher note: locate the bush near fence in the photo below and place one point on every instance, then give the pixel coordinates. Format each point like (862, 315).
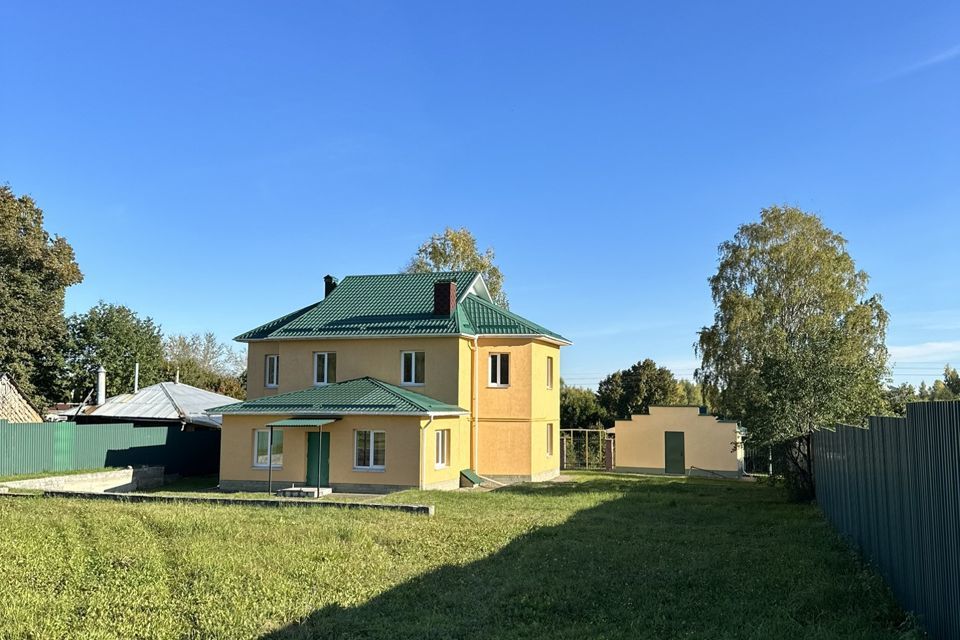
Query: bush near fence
(893, 489)
(68, 446)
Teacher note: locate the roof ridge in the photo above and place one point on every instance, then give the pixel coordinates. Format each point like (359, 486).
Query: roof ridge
(395, 391)
(282, 320)
(407, 273)
(507, 312)
(180, 411)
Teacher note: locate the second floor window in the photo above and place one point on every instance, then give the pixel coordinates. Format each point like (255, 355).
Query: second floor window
(271, 370)
(324, 367)
(412, 365)
(549, 372)
(499, 369)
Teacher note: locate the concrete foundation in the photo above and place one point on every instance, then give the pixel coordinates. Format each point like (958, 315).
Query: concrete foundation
(693, 473)
(119, 481)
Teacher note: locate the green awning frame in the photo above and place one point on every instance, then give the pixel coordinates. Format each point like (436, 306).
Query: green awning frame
(301, 422)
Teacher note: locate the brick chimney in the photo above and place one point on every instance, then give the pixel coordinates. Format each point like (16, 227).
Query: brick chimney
(444, 298)
(329, 284)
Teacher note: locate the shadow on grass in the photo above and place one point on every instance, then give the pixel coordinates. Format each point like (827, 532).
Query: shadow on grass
(657, 560)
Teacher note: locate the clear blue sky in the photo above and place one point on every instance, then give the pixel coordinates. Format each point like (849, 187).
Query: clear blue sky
(211, 163)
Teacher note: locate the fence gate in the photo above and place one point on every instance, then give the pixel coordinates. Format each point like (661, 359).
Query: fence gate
(586, 449)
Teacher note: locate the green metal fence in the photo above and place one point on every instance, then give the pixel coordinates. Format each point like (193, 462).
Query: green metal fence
(68, 446)
(893, 489)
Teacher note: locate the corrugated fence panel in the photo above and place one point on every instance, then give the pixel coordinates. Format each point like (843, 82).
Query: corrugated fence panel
(27, 448)
(67, 446)
(893, 490)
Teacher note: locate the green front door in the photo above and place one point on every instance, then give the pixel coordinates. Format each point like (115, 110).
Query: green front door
(674, 460)
(318, 459)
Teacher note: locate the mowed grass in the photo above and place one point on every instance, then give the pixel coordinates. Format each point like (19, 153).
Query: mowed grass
(599, 557)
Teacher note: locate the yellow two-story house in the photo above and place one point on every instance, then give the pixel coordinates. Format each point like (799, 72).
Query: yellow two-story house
(392, 382)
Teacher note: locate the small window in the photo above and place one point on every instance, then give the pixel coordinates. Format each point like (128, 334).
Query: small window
(549, 372)
(412, 364)
(370, 450)
(499, 369)
(271, 371)
(324, 368)
(264, 450)
(549, 440)
(442, 449)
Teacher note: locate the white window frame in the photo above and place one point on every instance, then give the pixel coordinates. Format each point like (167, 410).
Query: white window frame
(326, 367)
(370, 466)
(276, 370)
(441, 450)
(256, 433)
(549, 372)
(490, 370)
(549, 439)
(413, 369)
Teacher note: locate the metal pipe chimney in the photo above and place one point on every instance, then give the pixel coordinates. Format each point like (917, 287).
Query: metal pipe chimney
(136, 377)
(101, 385)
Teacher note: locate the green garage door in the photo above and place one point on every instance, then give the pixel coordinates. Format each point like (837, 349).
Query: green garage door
(674, 459)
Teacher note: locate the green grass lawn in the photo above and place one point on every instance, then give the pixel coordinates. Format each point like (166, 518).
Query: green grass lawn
(51, 474)
(601, 557)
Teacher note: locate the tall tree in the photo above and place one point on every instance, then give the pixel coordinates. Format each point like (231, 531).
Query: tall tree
(579, 408)
(687, 392)
(951, 378)
(795, 345)
(35, 271)
(632, 391)
(203, 361)
(897, 398)
(117, 338)
(456, 250)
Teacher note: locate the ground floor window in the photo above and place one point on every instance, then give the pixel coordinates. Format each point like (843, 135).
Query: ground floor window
(370, 449)
(549, 439)
(262, 448)
(443, 448)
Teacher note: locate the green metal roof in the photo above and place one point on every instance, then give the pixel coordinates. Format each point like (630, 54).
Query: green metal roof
(397, 305)
(358, 396)
(300, 422)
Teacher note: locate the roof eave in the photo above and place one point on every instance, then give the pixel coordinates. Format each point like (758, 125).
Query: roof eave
(314, 412)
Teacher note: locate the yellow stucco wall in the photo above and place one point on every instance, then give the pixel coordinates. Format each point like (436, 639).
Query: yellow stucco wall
(375, 357)
(236, 450)
(708, 443)
(512, 420)
(402, 455)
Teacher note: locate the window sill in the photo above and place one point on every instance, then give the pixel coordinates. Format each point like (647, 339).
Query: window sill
(369, 469)
(441, 466)
(412, 384)
(498, 386)
(321, 384)
(275, 467)
(271, 386)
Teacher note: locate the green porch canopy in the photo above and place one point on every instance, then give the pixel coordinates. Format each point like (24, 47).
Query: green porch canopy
(301, 422)
(361, 396)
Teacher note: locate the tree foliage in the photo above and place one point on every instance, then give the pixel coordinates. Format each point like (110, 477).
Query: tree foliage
(897, 397)
(632, 391)
(796, 344)
(35, 271)
(205, 362)
(579, 408)
(116, 337)
(456, 250)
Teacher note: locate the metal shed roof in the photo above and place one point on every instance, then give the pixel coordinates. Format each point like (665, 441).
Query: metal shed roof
(165, 401)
